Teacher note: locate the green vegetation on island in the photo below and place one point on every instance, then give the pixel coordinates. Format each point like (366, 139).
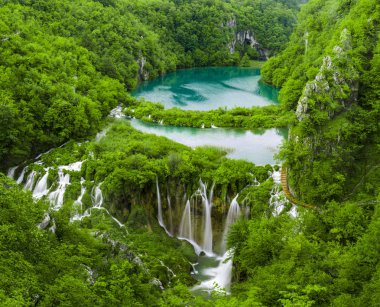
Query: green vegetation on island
(249, 118)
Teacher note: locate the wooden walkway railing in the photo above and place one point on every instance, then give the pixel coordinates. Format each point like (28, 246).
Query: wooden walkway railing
(289, 196)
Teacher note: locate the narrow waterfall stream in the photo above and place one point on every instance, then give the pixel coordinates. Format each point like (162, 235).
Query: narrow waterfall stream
(213, 269)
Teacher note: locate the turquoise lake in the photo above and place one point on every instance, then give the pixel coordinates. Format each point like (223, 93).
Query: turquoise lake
(212, 88)
(209, 88)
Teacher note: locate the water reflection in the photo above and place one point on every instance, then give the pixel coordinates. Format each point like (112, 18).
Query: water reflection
(257, 146)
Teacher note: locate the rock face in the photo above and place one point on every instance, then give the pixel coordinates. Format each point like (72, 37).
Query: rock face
(242, 37)
(247, 37)
(335, 87)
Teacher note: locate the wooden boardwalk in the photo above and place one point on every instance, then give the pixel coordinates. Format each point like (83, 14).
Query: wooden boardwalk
(289, 196)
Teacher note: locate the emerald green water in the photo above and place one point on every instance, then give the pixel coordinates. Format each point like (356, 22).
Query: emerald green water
(209, 88)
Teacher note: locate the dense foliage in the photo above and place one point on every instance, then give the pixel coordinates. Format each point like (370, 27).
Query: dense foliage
(329, 77)
(94, 261)
(250, 118)
(65, 64)
(72, 266)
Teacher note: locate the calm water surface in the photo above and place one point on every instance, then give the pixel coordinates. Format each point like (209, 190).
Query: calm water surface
(257, 146)
(209, 88)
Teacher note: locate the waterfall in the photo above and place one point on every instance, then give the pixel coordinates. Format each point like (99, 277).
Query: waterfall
(56, 197)
(97, 197)
(276, 175)
(30, 181)
(207, 203)
(21, 177)
(219, 276)
(97, 202)
(82, 191)
(159, 210)
(170, 214)
(277, 200)
(101, 134)
(293, 212)
(11, 172)
(45, 222)
(233, 215)
(117, 112)
(41, 187)
(185, 229)
(78, 202)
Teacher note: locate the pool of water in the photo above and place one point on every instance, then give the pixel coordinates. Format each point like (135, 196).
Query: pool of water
(257, 146)
(209, 88)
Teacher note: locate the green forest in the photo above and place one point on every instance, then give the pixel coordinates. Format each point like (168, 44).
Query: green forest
(94, 212)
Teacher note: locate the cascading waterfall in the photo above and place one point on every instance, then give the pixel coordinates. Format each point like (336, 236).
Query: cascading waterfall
(207, 203)
(20, 179)
(233, 215)
(82, 191)
(117, 112)
(277, 200)
(159, 210)
(185, 229)
(97, 202)
(78, 202)
(11, 172)
(219, 276)
(97, 197)
(159, 206)
(101, 135)
(170, 214)
(41, 188)
(56, 197)
(30, 181)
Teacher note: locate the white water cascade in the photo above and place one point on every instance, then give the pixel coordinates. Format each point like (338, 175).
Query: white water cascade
(233, 215)
(41, 188)
(117, 112)
(170, 214)
(30, 181)
(56, 197)
(219, 276)
(11, 172)
(78, 203)
(277, 200)
(97, 197)
(207, 204)
(101, 134)
(20, 179)
(185, 229)
(159, 210)
(97, 202)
